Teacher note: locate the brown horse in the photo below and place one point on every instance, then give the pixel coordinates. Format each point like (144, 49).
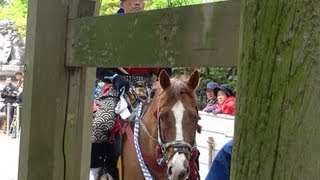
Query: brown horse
(167, 131)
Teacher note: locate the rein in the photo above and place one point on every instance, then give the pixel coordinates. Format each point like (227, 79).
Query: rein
(150, 161)
(144, 168)
(141, 154)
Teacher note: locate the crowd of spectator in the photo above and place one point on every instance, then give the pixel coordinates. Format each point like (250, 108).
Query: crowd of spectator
(11, 96)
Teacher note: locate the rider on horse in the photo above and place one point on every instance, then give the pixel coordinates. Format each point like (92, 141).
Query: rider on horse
(104, 144)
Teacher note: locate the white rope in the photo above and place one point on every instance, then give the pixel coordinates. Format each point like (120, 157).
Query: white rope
(143, 166)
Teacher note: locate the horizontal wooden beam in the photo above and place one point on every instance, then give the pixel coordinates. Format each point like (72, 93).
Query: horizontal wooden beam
(200, 35)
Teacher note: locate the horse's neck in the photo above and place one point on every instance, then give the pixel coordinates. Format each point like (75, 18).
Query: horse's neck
(149, 119)
(149, 133)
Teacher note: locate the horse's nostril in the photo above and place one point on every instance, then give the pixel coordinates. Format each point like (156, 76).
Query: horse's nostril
(183, 174)
(170, 170)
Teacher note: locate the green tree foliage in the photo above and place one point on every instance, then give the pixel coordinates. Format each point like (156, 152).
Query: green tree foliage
(15, 11)
(150, 4)
(111, 6)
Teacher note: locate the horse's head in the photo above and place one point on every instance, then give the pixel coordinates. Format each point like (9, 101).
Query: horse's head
(177, 118)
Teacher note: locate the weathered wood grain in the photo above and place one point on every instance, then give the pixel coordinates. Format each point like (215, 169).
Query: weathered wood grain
(55, 140)
(199, 35)
(77, 139)
(277, 126)
(45, 92)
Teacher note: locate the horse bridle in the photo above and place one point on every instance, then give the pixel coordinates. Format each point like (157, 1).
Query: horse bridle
(179, 146)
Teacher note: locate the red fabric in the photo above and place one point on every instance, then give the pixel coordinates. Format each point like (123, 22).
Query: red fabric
(194, 165)
(95, 107)
(228, 106)
(199, 128)
(141, 71)
(104, 90)
(118, 127)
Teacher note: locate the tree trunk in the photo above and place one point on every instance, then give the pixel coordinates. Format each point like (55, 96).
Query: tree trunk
(278, 115)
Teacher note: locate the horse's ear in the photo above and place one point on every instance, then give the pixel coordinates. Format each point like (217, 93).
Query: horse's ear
(164, 79)
(194, 79)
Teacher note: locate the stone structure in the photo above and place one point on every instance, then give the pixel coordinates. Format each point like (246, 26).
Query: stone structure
(11, 49)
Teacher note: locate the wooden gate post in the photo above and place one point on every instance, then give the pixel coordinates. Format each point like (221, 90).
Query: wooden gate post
(211, 151)
(55, 138)
(77, 140)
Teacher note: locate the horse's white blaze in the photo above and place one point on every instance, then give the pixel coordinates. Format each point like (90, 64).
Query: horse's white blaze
(178, 160)
(178, 111)
(177, 163)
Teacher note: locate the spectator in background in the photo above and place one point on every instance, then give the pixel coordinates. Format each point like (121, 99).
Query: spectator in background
(19, 77)
(212, 99)
(226, 100)
(9, 94)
